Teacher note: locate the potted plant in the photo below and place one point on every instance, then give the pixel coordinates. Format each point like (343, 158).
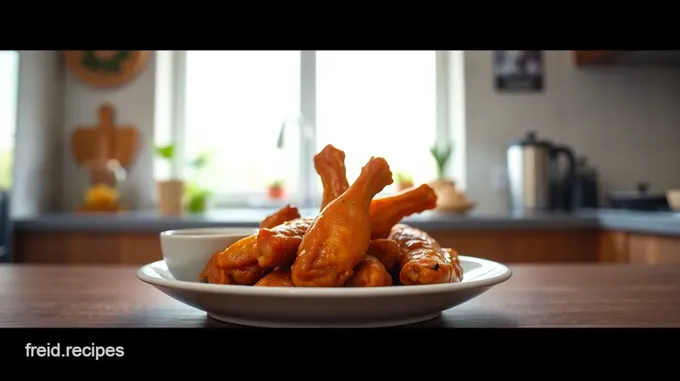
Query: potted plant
(197, 196)
(403, 180)
(170, 191)
(441, 155)
(276, 190)
(449, 198)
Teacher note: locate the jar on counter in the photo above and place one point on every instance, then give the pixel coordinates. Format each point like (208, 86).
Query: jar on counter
(105, 178)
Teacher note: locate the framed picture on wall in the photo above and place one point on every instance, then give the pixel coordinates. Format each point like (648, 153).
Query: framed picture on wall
(518, 70)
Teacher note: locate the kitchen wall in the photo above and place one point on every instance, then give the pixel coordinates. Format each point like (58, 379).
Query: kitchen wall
(625, 120)
(134, 104)
(37, 171)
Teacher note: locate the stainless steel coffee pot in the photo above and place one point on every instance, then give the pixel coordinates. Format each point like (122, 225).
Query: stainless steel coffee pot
(534, 179)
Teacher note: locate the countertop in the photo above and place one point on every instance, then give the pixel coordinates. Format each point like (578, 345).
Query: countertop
(662, 223)
(583, 295)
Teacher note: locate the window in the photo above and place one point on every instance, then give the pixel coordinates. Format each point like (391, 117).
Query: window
(378, 103)
(9, 76)
(367, 103)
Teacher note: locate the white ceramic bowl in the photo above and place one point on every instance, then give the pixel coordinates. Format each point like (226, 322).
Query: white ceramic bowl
(186, 251)
(673, 198)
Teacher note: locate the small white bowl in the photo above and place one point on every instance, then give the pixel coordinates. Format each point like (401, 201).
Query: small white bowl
(186, 251)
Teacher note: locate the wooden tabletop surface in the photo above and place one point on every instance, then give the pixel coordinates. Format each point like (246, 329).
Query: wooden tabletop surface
(586, 295)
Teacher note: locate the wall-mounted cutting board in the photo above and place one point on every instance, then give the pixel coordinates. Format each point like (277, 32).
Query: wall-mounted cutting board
(105, 140)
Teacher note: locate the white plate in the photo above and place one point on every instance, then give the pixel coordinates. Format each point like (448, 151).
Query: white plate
(328, 307)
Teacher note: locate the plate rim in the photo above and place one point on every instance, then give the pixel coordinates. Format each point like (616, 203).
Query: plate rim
(339, 292)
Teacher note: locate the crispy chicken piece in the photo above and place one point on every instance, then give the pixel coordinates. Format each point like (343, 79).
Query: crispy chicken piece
(278, 278)
(330, 165)
(369, 273)
(385, 250)
(389, 210)
(287, 213)
(278, 246)
(237, 264)
(338, 238)
(456, 262)
(422, 260)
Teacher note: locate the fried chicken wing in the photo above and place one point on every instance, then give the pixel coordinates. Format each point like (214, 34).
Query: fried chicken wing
(330, 165)
(287, 213)
(278, 278)
(422, 260)
(456, 262)
(238, 262)
(385, 250)
(278, 246)
(389, 210)
(369, 273)
(339, 236)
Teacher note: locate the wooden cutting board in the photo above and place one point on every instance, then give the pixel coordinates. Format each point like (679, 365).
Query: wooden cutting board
(105, 140)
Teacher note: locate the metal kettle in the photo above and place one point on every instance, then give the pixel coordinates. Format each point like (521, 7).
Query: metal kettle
(534, 179)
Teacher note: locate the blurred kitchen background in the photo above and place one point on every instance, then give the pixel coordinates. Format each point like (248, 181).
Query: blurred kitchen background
(538, 156)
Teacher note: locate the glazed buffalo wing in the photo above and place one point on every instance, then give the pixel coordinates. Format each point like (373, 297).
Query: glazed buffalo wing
(237, 264)
(422, 260)
(356, 240)
(330, 165)
(278, 278)
(287, 213)
(278, 246)
(384, 250)
(370, 272)
(388, 211)
(338, 238)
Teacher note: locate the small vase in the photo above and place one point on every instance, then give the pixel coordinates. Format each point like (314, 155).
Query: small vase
(170, 194)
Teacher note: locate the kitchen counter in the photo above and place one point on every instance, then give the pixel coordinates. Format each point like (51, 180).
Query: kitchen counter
(659, 223)
(543, 295)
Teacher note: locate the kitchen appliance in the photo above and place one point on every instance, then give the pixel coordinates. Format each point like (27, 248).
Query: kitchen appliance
(640, 199)
(586, 190)
(534, 176)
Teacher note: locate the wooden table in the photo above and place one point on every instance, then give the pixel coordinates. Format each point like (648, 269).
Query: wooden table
(536, 296)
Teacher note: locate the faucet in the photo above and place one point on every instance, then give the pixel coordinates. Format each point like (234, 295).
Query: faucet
(307, 146)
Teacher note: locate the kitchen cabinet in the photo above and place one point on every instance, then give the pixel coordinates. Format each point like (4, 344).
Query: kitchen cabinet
(623, 247)
(506, 246)
(514, 246)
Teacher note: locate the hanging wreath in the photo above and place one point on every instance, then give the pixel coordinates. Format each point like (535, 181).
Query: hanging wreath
(106, 68)
(108, 63)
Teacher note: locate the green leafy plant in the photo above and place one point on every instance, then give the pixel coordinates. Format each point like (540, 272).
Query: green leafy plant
(441, 155)
(197, 196)
(277, 184)
(403, 177)
(166, 152)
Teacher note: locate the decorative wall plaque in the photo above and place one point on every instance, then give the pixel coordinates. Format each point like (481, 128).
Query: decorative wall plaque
(106, 68)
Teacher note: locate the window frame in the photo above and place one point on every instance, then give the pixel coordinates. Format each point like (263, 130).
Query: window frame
(309, 193)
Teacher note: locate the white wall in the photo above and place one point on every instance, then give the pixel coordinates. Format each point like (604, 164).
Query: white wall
(37, 170)
(134, 104)
(626, 121)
